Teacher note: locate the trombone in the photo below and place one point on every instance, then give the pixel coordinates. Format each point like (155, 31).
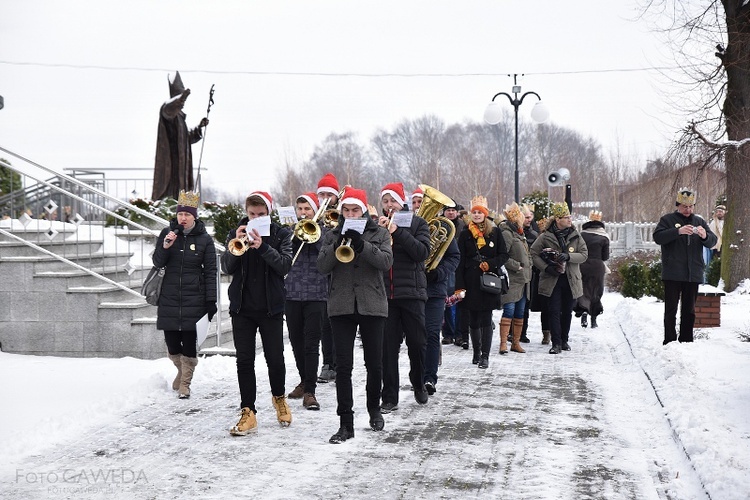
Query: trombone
(309, 231)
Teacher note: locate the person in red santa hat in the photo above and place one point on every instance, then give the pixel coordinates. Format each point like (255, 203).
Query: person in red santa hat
(416, 199)
(256, 303)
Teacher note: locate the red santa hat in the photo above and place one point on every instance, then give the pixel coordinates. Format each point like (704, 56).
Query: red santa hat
(328, 184)
(395, 189)
(265, 197)
(354, 196)
(418, 193)
(312, 199)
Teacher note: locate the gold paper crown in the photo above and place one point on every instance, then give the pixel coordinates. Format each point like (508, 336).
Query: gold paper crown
(543, 223)
(595, 215)
(189, 199)
(479, 201)
(559, 210)
(686, 196)
(513, 213)
(527, 208)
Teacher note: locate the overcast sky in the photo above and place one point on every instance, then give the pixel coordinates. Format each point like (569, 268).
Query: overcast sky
(288, 73)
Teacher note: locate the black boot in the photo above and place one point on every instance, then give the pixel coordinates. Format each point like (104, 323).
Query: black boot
(486, 346)
(346, 431)
(593, 322)
(584, 322)
(476, 344)
(376, 421)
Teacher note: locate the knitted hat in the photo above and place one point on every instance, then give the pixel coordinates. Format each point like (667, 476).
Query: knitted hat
(595, 215)
(188, 202)
(312, 199)
(328, 184)
(513, 213)
(418, 193)
(354, 196)
(265, 197)
(395, 189)
(480, 203)
(559, 210)
(685, 196)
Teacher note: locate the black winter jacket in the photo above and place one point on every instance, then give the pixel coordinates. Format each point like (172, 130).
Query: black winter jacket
(276, 252)
(190, 279)
(682, 255)
(411, 247)
(467, 276)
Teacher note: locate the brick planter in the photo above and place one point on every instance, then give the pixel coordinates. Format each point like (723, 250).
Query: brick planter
(708, 307)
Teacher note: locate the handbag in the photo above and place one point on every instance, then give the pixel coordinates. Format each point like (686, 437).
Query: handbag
(151, 288)
(494, 284)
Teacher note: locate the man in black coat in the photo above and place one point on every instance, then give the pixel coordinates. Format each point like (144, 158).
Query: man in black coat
(682, 236)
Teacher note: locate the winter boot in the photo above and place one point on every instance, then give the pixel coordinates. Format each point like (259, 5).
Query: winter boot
(247, 424)
(486, 346)
(476, 344)
(177, 360)
(546, 337)
(188, 368)
(346, 430)
(283, 413)
(584, 323)
(593, 322)
(517, 328)
(504, 331)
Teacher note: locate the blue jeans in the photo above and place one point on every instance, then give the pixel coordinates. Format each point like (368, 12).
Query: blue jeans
(515, 309)
(433, 317)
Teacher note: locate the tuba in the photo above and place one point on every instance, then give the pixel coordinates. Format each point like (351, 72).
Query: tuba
(442, 229)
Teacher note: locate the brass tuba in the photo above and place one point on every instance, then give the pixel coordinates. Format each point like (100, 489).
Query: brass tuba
(442, 229)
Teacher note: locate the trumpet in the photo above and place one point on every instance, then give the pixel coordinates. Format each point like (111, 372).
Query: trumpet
(345, 252)
(238, 246)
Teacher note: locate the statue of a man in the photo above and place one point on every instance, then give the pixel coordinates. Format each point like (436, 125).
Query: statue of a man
(173, 169)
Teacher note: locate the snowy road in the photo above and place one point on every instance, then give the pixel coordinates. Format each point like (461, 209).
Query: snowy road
(582, 424)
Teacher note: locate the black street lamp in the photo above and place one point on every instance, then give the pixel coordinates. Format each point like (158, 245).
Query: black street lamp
(494, 114)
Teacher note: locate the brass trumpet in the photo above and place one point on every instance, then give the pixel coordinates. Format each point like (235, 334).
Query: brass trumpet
(238, 246)
(345, 252)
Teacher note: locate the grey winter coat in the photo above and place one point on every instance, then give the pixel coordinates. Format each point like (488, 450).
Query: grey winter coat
(190, 280)
(357, 286)
(574, 245)
(682, 255)
(518, 264)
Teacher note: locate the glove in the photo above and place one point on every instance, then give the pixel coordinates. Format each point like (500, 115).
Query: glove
(484, 266)
(211, 310)
(563, 257)
(549, 255)
(358, 244)
(432, 277)
(553, 270)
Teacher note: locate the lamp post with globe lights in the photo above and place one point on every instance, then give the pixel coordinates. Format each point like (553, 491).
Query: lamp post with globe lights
(494, 114)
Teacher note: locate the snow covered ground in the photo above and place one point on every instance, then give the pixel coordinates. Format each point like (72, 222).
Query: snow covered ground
(620, 416)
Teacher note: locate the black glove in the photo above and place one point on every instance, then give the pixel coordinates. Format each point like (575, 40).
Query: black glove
(549, 255)
(553, 270)
(432, 277)
(211, 310)
(358, 244)
(563, 257)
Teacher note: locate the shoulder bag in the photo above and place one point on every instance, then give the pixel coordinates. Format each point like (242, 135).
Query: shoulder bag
(151, 288)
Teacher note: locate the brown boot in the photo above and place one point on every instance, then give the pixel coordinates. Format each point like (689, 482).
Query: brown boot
(177, 360)
(188, 368)
(546, 337)
(504, 330)
(517, 329)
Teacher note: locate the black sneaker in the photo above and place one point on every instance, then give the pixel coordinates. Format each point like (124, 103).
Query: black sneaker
(376, 421)
(421, 396)
(556, 349)
(388, 407)
(565, 346)
(430, 387)
(447, 341)
(524, 338)
(342, 435)
(465, 345)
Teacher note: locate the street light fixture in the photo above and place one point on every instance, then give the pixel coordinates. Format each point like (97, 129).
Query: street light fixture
(494, 114)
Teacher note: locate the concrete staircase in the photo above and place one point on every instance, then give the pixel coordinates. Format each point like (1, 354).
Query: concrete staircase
(48, 307)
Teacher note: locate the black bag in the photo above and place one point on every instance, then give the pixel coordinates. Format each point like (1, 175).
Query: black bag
(494, 284)
(152, 285)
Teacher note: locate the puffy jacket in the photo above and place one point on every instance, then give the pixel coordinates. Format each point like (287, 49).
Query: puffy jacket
(468, 274)
(357, 286)
(518, 265)
(304, 282)
(411, 247)
(190, 278)
(276, 252)
(573, 245)
(682, 255)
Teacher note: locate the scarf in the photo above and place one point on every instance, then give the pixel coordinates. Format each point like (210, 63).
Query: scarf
(477, 231)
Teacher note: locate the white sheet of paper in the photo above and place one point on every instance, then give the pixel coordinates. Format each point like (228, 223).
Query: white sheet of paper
(201, 327)
(287, 215)
(403, 219)
(261, 224)
(356, 224)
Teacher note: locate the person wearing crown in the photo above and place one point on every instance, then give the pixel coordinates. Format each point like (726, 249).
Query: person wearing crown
(173, 167)
(482, 250)
(558, 252)
(682, 236)
(593, 270)
(188, 290)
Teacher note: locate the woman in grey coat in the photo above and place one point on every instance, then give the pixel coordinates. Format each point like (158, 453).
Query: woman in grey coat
(519, 272)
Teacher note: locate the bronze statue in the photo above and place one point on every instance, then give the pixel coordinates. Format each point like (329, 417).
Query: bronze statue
(173, 169)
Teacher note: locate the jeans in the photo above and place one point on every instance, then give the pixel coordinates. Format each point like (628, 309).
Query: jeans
(244, 329)
(515, 309)
(449, 321)
(304, 320)
(433, 316)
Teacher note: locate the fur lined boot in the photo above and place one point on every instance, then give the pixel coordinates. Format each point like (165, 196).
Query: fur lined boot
(188, 368)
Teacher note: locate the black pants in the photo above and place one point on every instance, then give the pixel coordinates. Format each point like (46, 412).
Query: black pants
(687, 292)
(462, 322)
(304, 320)
(244, 329)
(344, 329)
(560, 310)
(405, 319)
(181, 342)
